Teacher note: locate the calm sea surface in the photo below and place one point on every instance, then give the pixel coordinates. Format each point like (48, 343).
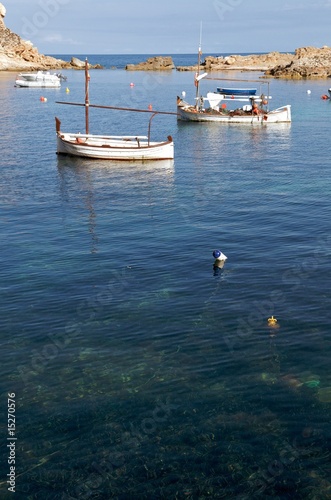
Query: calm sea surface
(138, 371)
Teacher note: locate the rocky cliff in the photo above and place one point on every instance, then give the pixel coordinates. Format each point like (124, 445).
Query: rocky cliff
(17, 54)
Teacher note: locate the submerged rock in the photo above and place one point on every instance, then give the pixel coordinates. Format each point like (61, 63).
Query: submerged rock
(324, 395)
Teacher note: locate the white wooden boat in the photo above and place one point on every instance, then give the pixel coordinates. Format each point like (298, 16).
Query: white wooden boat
(250, 114)
(215, 106)
(41, 79)
(111, 147)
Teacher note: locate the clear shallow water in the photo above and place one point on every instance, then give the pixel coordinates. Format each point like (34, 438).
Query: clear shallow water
(138, 371)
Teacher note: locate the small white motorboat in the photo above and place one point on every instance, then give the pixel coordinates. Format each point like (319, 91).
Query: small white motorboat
(41, 79)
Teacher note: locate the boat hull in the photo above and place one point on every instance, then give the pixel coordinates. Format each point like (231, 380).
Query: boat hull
(236, 92)
(38, 80)
(35, 84)
(113, 148)
(189, 113)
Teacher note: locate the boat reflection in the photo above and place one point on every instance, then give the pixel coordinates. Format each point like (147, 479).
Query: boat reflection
(160, 168)
(81, 181)
(208, 140)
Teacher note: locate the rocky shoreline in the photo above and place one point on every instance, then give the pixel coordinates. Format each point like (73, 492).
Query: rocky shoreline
(306, 62)
(17, 54)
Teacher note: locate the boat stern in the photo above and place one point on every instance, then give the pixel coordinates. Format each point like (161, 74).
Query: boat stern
(279, 115)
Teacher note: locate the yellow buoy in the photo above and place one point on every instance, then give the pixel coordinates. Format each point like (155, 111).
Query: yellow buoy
(67, 90)
(272, 321)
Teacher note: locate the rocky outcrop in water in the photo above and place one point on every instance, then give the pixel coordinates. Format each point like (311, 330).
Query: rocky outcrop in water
(259, 62)
(307, 62)
(158, 63)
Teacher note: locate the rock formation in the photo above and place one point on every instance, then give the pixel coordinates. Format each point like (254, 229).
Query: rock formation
(307, 62)
(17, 54)
(261, 62)
(158, 63)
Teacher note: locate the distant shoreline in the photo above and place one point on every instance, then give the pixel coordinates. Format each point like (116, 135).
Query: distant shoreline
(212, 54)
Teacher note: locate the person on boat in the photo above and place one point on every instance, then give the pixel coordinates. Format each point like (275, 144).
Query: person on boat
(255, 109)
(201, 102)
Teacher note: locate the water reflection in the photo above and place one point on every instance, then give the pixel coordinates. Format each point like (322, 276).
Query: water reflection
(82, 179)
(160, 168)
(213, 140)
(139, 374)
(274, 139)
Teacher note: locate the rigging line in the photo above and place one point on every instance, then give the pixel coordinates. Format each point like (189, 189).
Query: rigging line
(118, 108)
(236, 80)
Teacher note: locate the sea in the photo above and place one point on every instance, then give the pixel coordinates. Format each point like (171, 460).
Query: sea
(133, 367)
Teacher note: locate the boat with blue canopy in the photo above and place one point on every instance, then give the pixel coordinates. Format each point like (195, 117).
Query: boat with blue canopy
(236, 91)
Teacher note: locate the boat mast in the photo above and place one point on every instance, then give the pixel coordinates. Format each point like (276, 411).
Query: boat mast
(197, 80)
(87, 102)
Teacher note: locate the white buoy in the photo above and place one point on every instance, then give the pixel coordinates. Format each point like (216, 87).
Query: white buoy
(218, 255)
(308, 91)
(183, 93)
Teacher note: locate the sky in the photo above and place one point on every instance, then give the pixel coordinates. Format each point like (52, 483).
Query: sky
(170, 26)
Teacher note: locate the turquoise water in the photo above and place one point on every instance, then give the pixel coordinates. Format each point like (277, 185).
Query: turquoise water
(139, 371)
